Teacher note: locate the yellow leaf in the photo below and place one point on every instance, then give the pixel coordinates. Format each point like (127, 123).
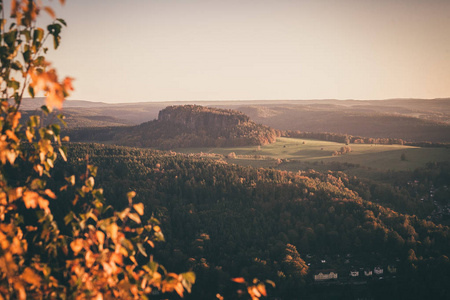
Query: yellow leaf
(139, 208)
(113, 229)
(133, 260)
(157, 228)
(63, 155)
(179, 289)
(11, 156)
(135, 218)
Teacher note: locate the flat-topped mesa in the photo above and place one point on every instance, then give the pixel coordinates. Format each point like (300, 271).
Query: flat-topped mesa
(202, 118)
(188, 126)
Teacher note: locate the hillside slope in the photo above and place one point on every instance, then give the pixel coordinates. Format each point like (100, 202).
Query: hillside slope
(186, 126)
(227, 221)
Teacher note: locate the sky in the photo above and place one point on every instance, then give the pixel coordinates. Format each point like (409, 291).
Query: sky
(166, 50)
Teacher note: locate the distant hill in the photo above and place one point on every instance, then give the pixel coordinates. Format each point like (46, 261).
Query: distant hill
(413, 120)
(410, 120)
(186, 126)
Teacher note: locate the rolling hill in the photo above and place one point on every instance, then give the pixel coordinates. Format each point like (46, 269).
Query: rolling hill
(185, 126)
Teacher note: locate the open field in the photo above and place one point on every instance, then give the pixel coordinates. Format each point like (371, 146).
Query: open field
(299, 154)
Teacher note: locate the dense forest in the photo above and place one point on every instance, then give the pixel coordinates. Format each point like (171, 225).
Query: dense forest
(185, 126)
(227, 221)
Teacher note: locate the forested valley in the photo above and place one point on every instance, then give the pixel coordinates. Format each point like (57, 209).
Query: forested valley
(226, 221)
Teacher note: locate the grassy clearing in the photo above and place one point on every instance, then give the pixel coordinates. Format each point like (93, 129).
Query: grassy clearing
(299, 154)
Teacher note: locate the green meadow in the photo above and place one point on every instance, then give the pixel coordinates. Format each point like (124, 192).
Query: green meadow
(299, 154)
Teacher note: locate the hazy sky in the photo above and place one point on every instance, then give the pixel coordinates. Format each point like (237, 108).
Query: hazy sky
(151, 50)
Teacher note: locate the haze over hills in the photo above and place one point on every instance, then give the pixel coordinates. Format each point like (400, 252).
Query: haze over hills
(409, 119)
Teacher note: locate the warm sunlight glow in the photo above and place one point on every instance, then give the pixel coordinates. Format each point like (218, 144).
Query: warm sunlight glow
(285, 49)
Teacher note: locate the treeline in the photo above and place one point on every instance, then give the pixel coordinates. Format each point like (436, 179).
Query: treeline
(228, 221)
(350, 139)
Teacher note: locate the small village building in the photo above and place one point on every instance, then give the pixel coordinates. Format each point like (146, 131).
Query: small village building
(392, 269)
(378, 271)
(322, 275)
(354, 273)
(368, 272)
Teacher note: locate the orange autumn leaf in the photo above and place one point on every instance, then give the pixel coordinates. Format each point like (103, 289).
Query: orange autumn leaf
(253, 292)
(179, 289)
(139, 208)
(50, 11)
(47, 81)
(30, 199)
(11, 135)
(50, 194)
(238, 280)
(31, 277)
(262, 289)
(100, 238)
(18, 286)
(77, 245)
(14, 8)
(67, 84)
(29, 135)
(16, 119)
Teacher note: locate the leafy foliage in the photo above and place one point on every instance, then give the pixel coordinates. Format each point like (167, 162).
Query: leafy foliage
(94, 253)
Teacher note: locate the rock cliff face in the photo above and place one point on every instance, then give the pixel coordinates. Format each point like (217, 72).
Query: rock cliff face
(190, 126)
(197, 117)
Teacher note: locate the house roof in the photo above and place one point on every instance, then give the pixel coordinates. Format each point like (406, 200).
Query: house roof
(325, 271)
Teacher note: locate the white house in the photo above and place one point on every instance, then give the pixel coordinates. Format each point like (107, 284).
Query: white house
(322, 275)
(378, 270)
